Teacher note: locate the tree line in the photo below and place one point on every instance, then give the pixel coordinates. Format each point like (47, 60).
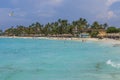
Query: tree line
(59, 27)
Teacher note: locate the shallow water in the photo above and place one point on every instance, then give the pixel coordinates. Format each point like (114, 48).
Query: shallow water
(33, 59)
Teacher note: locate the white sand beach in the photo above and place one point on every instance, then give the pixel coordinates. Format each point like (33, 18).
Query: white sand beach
(104, 41)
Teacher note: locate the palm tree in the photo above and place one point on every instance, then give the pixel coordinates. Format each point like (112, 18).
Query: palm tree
(62, 24)
(38, 28)
(105, 25)
(1, 32)
(80, 25)
(95, 25)
(54, 27)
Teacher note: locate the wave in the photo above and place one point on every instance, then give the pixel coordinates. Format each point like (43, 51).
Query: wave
(113, 64)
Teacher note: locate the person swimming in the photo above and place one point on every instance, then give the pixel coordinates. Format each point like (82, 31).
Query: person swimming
(116, 45)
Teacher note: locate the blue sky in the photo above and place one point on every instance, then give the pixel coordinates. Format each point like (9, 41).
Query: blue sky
(43, 11)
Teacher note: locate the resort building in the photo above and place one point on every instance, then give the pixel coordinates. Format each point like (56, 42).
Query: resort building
(113, 35)
(84, 35)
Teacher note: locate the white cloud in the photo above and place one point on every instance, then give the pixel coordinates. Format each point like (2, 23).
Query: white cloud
(106, 13)
(110, 14)
(56, 2)
(110, 2)
(45, 3)
(45, 8)
(48, 9)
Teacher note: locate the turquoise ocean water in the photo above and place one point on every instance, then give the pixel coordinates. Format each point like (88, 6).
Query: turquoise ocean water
(33, 59)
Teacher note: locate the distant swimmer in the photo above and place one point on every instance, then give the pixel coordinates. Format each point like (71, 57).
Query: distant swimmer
(116, 45)
(98, 66)
(83, 40)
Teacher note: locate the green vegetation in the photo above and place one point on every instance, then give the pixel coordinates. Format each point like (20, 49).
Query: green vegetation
(94, 34)
(1, 32)
(113, 30)
(60, 27)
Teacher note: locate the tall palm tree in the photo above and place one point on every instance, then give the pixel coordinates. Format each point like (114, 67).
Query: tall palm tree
(38, 28)
(1, 32)
(95, 25)
(105, 25)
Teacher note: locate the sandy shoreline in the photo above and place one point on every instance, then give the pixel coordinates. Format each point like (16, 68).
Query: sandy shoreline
(105, 40)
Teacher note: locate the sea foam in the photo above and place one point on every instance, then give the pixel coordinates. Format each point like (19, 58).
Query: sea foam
(113, 64)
